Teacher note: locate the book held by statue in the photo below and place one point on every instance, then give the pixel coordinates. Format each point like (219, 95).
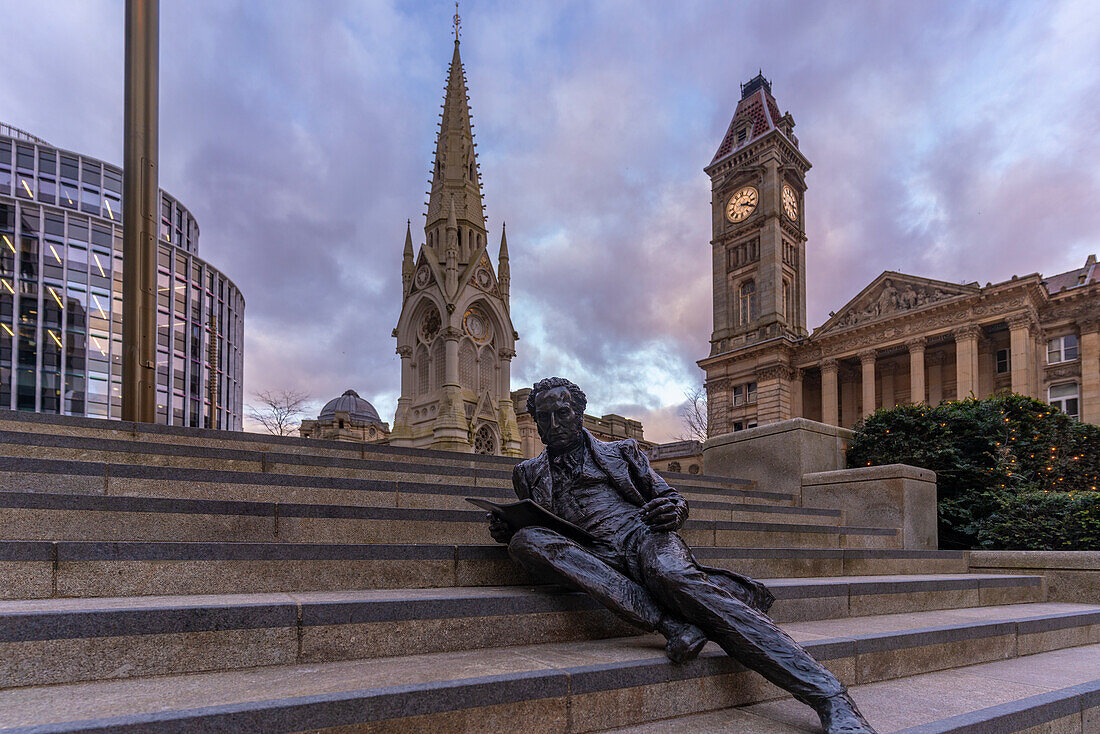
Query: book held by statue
(525, 513)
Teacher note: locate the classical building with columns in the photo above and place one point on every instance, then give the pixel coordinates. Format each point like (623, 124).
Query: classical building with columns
(902, 339)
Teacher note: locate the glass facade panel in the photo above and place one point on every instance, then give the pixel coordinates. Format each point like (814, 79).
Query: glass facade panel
(61, 297)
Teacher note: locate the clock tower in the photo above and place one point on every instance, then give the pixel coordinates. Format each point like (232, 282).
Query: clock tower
(455, 334)
(758, 255)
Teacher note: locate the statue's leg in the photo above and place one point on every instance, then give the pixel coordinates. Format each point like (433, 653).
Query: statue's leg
(665, 565)
(552, 557)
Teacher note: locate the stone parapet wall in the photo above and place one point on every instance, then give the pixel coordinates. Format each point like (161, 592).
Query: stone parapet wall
(893, 496)
(1072, 576)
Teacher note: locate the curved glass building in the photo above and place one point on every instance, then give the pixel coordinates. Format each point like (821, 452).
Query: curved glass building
(61, 296)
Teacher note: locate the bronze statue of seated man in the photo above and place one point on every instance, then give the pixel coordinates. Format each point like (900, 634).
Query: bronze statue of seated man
(639, 567)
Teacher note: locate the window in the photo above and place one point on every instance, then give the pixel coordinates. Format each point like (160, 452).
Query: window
(746, 302)
(1065, 399)
(744, 394)
(1003, 363)
(1062, 349)
(738, 426)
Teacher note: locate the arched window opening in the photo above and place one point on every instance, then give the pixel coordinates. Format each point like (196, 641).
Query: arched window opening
(486, 370)
(484, 440)
(438, 364)
(746, 302)
(422, 370)
(467, 367)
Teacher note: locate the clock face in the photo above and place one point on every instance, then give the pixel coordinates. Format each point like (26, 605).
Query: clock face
(790, 203)
(476, 325)
(742, 204)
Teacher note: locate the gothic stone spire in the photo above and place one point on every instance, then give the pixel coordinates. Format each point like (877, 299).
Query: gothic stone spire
(455, 174)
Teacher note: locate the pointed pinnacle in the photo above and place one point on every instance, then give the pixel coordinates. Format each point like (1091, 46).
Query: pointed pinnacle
(452, 220)
(408, 239)
(503, 242)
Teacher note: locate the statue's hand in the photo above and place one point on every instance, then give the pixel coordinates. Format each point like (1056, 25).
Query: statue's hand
(500, 530)
(660, 514)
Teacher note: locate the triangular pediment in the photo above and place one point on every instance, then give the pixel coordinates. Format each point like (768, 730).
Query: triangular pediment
(890, 295)
(486, 410)
(482, 276)
(426, 272)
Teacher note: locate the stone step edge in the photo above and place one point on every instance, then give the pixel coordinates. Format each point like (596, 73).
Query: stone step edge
(109, 617)
(156, 431)
(344, 708)
(133, 503)
(154, 472)
(108, 471)
(63, 551)
(266, 456)
(1019, 715)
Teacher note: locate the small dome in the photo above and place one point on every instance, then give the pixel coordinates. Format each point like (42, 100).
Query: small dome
(358, 410)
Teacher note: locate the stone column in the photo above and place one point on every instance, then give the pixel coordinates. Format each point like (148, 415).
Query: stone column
(401, 431)
(510, 440)
(797, 410)
(830, 408)
(451, 431)
(966, 360)
(935, 377)
(1090, 370)
(888, 385)
(916, 369)
(849, 395)
(867, 362)
(1022, 357)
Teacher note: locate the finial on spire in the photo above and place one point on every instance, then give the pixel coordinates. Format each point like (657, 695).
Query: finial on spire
(457, 23)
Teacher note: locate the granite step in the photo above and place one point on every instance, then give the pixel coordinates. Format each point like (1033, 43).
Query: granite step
(551, 687)
(66, 437)
(67, 640)
(57, 516)
(445, 492)
(1054, 692)
(41, 569)
(42, 425)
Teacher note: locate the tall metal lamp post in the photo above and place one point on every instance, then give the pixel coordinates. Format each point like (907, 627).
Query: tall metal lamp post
(139, 206)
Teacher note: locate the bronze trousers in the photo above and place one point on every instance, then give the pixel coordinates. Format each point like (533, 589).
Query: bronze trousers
(656, 574)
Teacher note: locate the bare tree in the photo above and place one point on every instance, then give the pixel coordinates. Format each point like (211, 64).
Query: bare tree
(278, 411)
(693, 414)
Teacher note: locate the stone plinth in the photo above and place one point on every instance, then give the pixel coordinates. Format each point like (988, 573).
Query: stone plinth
(891, 496)
(776, 456)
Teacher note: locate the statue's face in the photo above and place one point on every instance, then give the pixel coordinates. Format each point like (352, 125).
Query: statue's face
(559, 425)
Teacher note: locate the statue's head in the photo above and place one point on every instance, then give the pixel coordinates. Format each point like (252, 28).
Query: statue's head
(557, 405)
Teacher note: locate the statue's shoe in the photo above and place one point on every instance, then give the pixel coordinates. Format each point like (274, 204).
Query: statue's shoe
(684, 640)
(839, 715)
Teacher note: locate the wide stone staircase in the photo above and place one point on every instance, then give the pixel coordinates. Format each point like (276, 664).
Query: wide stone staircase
(157, 579)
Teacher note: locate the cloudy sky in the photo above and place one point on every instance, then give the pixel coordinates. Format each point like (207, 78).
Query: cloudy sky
(953, 140)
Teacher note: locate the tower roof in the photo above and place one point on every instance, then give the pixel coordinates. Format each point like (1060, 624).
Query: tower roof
(454, 170)
(757, 114)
